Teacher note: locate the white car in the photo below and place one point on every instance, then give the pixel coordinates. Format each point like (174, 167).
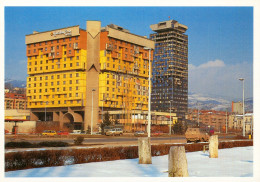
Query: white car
(114, 132)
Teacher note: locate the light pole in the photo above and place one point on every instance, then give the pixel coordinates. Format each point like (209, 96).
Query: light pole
(226, 121)
(198, 113)
(170, 129)
(46, 102)
(92, 113)
(149, 94)
(242, 79)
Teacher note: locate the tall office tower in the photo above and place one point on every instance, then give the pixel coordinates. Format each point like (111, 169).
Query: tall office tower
(170, 68)
(75, 74)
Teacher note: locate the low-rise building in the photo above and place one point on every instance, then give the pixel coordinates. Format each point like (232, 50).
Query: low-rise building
(212, 118)
(236, 122)
(15, 101)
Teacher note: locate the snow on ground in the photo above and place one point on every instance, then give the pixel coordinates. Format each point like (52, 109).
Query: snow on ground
(233, 162)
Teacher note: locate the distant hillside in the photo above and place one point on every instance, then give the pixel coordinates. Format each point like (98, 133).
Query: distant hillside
(16, 83)
(219, 104)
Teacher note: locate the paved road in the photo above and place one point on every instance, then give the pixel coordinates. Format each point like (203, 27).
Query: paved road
(125, 140)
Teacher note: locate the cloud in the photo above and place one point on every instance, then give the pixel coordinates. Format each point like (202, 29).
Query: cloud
(209, 64)
(215, 78)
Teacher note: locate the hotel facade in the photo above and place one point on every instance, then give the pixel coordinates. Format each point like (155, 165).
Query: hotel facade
(170, 68)
(76, 75)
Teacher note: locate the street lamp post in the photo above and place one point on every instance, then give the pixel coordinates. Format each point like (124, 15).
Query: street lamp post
(170, 129)
(226, 121)
(46, 102)
(149, 94)
(242, 79)
(198, 113)
(92, 113)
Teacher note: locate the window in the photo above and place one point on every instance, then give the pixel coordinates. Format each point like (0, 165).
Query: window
(64, 82)
(64, 59)
(65, 54)
(71, 58)
(77, 81)
(77, 57)
(29, 51)
(64, 76)
(77, 74)
(63, 40)
(69, 51)
(70, 64)
(76, 38)
(70, 81)
(64, 65)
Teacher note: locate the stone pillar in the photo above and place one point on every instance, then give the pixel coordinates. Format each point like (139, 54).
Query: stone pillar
(213, 146)
(144, 151)
(177, 162)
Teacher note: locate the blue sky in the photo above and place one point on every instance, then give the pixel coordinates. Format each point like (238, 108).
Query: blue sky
(220, 39)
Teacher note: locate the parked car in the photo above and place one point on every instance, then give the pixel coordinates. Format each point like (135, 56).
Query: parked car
(196, 135)
(139, 133)
(6, 132)
(49, 133)
(157, 133)
(62, 133)
(114, 132)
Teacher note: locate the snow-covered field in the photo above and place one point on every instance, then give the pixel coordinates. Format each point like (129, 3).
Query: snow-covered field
(233, 162)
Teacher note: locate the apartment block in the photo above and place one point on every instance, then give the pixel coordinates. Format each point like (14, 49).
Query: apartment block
(15, 101)
(215, 119)
(170, 68)
(76, 75)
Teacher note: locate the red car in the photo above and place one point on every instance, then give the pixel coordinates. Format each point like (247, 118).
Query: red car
(62, 133)
(157, 133)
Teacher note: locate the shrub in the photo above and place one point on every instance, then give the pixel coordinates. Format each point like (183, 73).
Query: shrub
(53, 144)
(79, 140)
(18, 145)
(32, 159)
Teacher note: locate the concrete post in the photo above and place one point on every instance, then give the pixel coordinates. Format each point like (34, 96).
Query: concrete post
(177, 162)
(213, 146)
(144, 151)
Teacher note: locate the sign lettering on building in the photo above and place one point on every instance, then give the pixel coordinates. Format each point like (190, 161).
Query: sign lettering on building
(60, 32)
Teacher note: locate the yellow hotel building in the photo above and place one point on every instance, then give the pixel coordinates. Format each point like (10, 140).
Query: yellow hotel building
(73, 73)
